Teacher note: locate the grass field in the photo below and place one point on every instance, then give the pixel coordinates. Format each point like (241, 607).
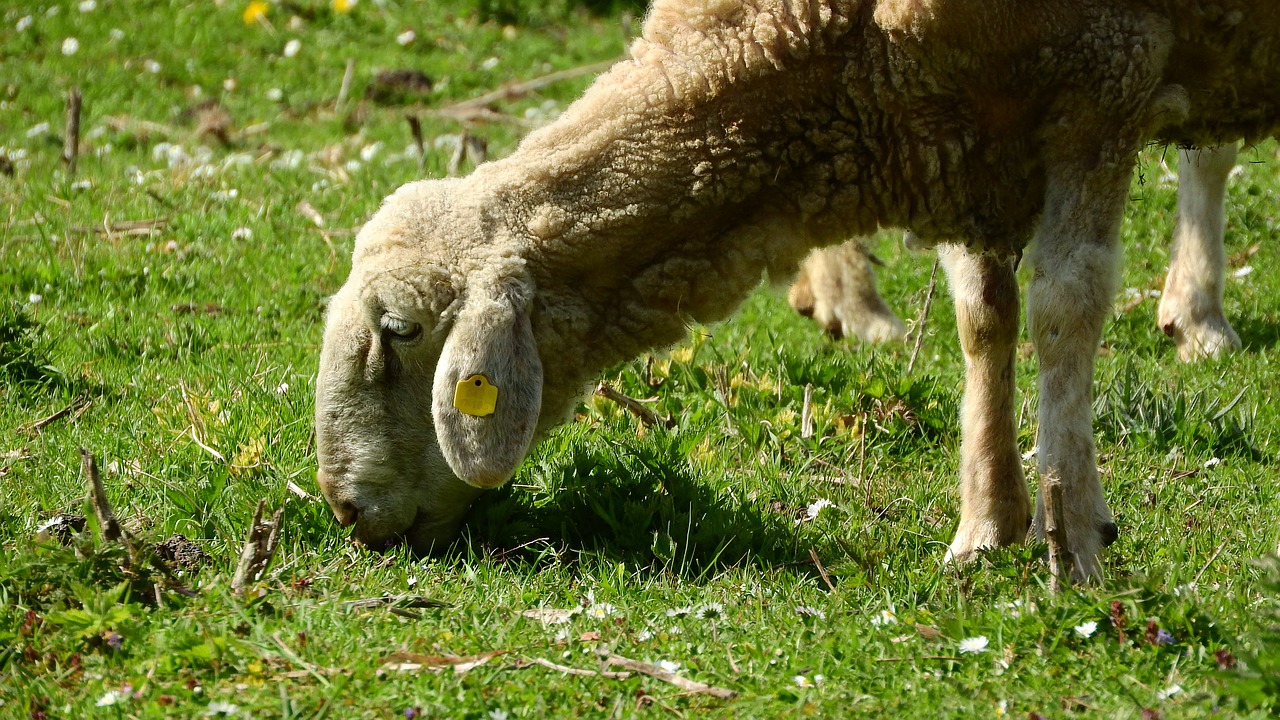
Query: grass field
(162, 308)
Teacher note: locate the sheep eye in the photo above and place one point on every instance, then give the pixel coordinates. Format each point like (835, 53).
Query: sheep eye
(400, 328)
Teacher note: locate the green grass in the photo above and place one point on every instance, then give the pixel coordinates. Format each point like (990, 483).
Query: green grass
(209, 327)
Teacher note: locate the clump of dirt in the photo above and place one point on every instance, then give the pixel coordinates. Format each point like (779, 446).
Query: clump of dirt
(398, 87)
(183, 553)
(61, 528)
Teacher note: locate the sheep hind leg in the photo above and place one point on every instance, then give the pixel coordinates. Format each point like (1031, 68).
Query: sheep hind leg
(994, 505)
(1076, 261)
(837, 288)
(1191, 304)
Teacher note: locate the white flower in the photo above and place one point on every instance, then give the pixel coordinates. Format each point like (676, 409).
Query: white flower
(412, 581)
(217, 707)
(645, 635)
(710, 611)
(88, 5)
(1212, 462)
(116, 34)
(112, 697)
(974, 644)
(406, 37)
(671, 667)
(1169, 692)
(229, 84)
(82, 185)
(490, 64)
(804, 682)
(600, 611)
(292, 47)
(816, 507)
(275, 94)
(70, 46)
(282, 388)
(806, 611)
(1087, 629)
(24, 22)
(37, 130)
(151, 66)
(34, 298)
(679, 611)
(1243, 271)
(498, 714)
(886, 617)
(242, 233)
(370, 151)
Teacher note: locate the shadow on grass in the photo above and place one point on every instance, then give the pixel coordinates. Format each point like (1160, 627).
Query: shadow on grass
(1257, 334)
(27, 370)
(634, 500)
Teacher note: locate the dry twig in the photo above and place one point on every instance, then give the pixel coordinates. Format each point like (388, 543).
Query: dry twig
(78, 406)
(646, 416)
(924, 317)
(822, 570)
(71, 141)
(658, 673)
(612, 675)
(515, 90)
(107, 522)
(1055, 533)
(806, 412)
(259, 548)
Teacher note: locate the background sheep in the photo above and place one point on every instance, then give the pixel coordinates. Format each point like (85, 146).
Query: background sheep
(836, 285)
(737, 137)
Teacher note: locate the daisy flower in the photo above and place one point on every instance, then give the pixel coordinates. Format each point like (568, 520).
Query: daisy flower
(816, 507)
(710, 611)
(886, 617)
(255, 12)
(1087, 629)
(806, 611)
(974, 644)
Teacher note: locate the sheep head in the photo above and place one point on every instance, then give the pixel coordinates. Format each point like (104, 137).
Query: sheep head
(430, 382)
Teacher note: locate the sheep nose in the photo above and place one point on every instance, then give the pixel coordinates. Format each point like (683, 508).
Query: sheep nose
(344, 510)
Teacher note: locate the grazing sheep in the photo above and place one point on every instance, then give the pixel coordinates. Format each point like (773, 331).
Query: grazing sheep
(738, 136)
(1190, 309)
(837, 288)
(836, 285)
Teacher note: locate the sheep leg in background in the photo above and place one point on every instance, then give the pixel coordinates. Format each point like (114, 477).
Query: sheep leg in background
(1076, 257)
(994, 506)
(837, 288)
(1191, 304)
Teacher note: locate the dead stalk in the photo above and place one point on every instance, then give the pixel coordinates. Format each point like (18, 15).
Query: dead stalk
(259, 548)
(1055, 527)
(924, 317)
(646, 416)
(71, 141)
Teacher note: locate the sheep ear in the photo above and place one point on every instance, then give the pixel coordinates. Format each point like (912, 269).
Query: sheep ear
(487, 393)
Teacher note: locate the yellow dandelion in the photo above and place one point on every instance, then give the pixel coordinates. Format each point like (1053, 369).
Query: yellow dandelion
(256, 12)
(343, 6)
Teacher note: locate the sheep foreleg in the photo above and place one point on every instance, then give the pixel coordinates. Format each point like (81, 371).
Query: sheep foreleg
(1076, 259)
(994, 507)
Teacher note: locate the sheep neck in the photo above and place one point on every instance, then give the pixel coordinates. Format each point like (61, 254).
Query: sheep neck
(659, 198)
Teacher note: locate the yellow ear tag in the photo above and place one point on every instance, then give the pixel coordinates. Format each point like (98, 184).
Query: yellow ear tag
(475, 396)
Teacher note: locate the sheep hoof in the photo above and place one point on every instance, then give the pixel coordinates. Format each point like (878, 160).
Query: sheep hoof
(1109, 533)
